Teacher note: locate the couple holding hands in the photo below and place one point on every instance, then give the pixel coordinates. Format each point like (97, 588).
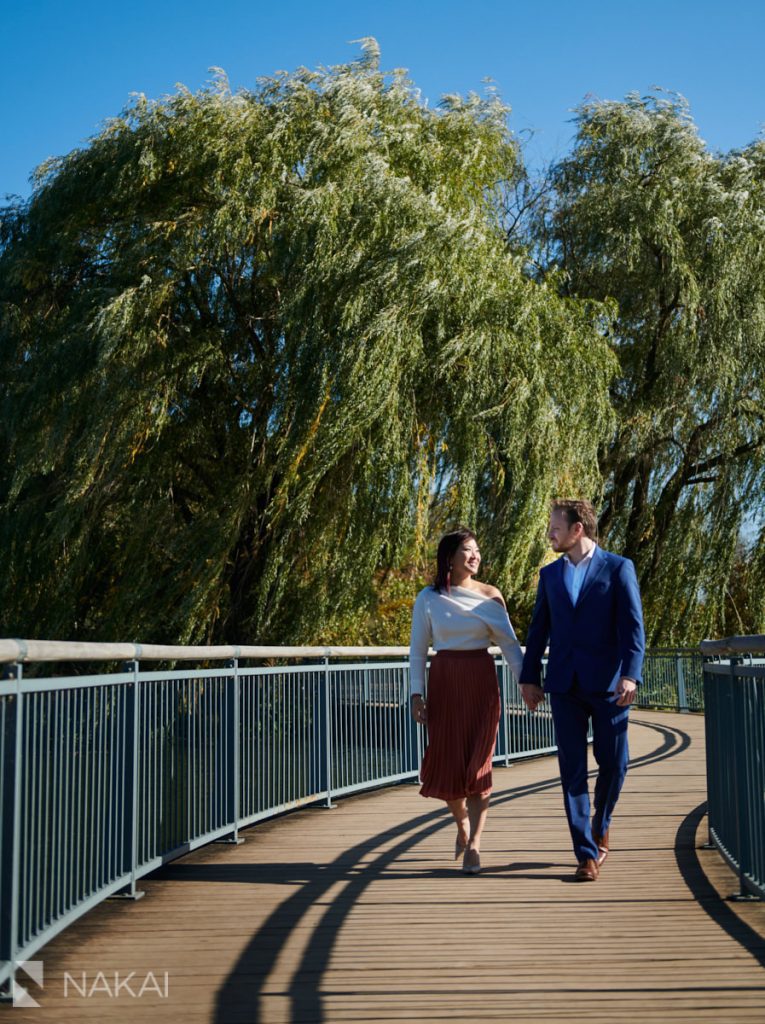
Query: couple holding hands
(588, 610)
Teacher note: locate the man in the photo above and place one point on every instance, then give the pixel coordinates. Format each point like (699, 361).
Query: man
(588, 608)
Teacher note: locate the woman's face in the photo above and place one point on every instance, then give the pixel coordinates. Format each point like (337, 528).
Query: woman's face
(466, 559)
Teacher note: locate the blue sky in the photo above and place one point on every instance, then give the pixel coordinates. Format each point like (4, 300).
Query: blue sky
(67, 66)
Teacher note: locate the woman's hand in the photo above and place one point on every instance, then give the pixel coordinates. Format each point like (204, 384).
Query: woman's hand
(532, 695)
(419, 708)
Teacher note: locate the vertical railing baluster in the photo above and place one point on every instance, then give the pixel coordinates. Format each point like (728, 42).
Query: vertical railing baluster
(283, 715)
(325, 715)
(504, 695)
(414, 731)
(57, 797)
(130, 782)
(232, 775)
(10, 940)
(742, 756)
(682, 699)
(259, 688)
(707, 682)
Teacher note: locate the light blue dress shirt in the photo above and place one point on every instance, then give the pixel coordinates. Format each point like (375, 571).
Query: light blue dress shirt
(575, 575)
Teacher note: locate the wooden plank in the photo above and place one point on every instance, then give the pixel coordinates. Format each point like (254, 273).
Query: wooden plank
(359, 914)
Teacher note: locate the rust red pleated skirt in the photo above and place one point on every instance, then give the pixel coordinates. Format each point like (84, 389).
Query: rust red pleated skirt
(463, 717)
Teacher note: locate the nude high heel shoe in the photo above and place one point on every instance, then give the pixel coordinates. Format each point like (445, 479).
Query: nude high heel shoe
(471, 862)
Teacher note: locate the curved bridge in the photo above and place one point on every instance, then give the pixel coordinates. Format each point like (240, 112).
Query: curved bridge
(358, 914)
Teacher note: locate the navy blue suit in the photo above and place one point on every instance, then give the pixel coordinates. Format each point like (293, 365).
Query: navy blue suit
(592, 645)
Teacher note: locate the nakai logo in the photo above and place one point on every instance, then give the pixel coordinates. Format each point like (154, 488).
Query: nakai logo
(34, 970)
(116, 985)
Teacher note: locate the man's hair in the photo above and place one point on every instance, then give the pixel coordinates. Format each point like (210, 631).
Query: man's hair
(578, 511)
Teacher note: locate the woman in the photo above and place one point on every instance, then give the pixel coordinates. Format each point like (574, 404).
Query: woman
(460, 618)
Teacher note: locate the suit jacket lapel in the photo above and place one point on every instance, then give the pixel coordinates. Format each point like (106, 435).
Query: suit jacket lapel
(560, 582)
(597, 566)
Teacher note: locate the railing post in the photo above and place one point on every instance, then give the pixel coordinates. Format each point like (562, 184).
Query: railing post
(130, 782)
(741, 749)
(504, 696)
(233, 755)
(708, 703)
(413, 747)
(682, 698)
(10, 865)
(736, 787)
(325, 712)
(367, 687)
(736, 794)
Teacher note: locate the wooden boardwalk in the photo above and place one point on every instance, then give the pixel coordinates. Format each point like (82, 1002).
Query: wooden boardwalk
(358, 914)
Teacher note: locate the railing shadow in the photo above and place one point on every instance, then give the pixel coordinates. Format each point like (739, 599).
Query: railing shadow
(705, 893)
(241, 995)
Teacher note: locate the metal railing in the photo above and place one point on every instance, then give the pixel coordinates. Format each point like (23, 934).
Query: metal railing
(105, 777)
(673, 678)
(734, 695)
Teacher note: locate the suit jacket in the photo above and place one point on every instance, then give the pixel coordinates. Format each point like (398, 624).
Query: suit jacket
(598, 640)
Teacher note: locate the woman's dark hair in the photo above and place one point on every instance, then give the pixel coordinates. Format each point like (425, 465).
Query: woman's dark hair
(447, 547)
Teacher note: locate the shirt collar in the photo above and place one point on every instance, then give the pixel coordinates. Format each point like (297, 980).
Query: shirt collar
(587, 558)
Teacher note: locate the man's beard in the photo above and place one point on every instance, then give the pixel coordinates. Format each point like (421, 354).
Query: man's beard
(562, 549)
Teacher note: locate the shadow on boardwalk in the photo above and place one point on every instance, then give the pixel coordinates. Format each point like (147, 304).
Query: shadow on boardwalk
(358, 914)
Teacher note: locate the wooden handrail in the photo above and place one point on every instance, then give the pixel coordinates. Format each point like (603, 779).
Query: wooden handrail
(64, 650)
(72, 650)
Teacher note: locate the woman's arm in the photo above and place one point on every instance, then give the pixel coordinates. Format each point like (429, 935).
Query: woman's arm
(501, 630)
(419, 644)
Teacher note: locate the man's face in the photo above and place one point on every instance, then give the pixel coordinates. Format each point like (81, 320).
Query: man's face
(562, 537)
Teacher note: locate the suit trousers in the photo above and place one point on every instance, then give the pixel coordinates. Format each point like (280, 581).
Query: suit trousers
(572, 712)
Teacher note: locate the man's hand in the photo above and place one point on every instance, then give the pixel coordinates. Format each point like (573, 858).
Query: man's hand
(532, 695)
(626, 691)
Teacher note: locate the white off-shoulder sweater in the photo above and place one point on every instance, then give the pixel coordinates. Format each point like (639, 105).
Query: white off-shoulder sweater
(462, 620)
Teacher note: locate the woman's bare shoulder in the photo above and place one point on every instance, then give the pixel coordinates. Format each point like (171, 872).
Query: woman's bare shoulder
(489, 591)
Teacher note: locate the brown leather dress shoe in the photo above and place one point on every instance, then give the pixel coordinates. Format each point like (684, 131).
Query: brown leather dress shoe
(602, 844)
(587, 871)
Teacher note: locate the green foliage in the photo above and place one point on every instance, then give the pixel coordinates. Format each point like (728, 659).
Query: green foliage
(744, 604)
(257, 348)
(642, 213)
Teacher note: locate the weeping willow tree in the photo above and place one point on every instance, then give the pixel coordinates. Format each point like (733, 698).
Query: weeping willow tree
(254, 345)
(643, 213)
